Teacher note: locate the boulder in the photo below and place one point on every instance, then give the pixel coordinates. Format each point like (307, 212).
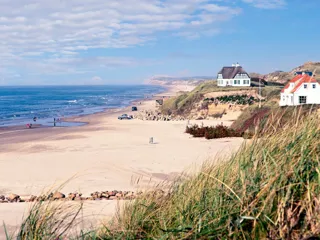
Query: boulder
(113, 193)
(105, 195)
(32, 198)
(119, 195)
(2, 197)
(72, 196)
(58, 196)
(13, 197)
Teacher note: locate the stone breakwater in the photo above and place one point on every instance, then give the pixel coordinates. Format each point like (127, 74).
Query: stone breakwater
(148, 115)
(105, 195)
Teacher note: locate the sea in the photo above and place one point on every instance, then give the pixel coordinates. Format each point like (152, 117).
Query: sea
(20, 105)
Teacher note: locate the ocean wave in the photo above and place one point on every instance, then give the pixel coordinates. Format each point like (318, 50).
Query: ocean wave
(72, 101)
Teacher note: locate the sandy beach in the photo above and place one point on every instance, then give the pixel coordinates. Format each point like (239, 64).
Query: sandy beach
(105, 154)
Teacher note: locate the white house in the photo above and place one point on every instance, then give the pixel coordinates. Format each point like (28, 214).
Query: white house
(302, 89)
(233, 76)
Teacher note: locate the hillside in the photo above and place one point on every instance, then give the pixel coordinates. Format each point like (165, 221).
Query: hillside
(167, 80)
(283, 77)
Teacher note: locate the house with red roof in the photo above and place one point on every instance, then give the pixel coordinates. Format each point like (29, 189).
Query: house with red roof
(302, 89)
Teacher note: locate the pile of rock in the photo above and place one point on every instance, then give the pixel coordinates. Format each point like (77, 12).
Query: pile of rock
(148, 115)
(105, 195)
(112, 195)
(10, 198)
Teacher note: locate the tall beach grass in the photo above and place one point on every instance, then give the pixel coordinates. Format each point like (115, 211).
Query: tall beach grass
(269, 189)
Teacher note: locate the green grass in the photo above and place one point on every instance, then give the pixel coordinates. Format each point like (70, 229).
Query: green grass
(184, 103)
(253, 116)
(269, 189)
(48, 220)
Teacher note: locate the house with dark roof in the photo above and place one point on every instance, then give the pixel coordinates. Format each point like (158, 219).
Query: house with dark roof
(302, 89)
(233, 76)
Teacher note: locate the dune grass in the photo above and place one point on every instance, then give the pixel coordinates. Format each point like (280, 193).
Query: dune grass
(269, 189)
(48, 220)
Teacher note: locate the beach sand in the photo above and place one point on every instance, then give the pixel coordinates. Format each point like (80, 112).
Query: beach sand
(105, 154)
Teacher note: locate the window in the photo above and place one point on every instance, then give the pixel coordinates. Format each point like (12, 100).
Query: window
(313, 86)
(305, 85)
(235, 82)
(245, 81)
(302, 99)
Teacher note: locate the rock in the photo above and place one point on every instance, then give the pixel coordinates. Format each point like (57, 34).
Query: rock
(113, 193)
(41, 198)
(2, 197)
(72, 196)
(119, 195)
(32, 198)
(58, 196)
(78, 198)
(13, 197)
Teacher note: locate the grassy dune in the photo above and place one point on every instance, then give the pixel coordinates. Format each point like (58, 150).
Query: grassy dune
(269, 189)
(184, 103)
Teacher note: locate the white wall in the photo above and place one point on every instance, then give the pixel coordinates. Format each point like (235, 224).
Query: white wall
(286, 99)
(223, 82)
(312, 94)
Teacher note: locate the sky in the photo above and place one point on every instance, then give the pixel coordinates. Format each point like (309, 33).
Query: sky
(84, 42)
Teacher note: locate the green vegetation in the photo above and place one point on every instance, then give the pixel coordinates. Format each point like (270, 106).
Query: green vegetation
(184, 103)
(254, 117)
(48, 220)
(269, 189)
(212, 132)
(234, 99)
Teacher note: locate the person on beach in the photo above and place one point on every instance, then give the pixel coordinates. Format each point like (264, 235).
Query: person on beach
(54, 122)
(35, 119)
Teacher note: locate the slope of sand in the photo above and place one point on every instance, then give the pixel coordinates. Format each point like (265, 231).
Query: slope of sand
(106, 154)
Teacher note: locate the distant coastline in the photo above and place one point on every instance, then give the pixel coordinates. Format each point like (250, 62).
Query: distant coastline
(22, 113)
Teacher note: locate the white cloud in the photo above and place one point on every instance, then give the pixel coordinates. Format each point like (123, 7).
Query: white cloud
(48, 36)
(266, 4)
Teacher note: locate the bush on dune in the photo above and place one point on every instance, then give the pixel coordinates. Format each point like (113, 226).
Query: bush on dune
(218, 131)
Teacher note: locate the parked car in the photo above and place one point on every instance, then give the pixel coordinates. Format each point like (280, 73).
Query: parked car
(125, 116)
(134, 108)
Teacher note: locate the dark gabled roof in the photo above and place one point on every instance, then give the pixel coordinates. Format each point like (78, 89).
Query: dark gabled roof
(231, 72)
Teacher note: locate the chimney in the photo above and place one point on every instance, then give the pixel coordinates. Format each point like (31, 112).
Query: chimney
(237, 65)
(233, 65)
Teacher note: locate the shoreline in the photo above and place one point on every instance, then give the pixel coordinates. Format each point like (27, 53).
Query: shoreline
(168, 92)
(105, 154)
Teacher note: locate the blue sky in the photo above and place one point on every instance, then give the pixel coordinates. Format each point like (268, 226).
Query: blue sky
(127, 42)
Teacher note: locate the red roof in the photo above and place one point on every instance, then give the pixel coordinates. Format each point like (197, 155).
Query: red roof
(299, 80)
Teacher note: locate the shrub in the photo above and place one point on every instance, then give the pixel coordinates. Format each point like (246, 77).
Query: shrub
(233, 99)
(218, 131)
